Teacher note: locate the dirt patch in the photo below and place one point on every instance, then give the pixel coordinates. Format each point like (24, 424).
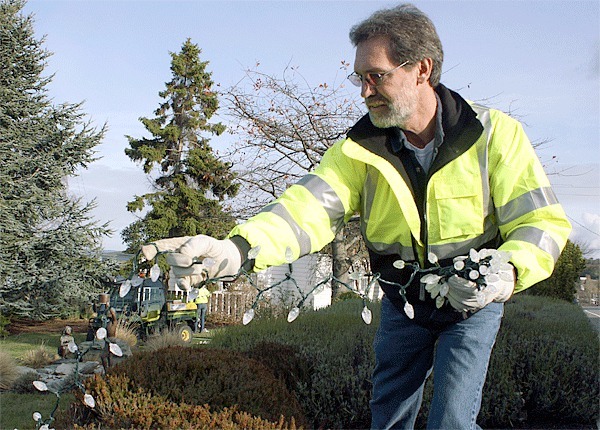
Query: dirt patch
(18, 326)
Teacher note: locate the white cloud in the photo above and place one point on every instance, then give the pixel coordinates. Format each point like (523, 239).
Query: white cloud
(112, 188)
(587, 233)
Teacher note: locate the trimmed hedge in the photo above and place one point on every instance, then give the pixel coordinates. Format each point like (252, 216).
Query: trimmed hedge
(217, 377)
(121, 404)
(544, 367)
(544, 372)
(337, 346)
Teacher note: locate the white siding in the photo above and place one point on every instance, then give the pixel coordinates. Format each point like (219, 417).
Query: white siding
(307, 272)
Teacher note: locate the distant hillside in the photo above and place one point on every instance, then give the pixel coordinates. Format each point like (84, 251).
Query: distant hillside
(117, 255)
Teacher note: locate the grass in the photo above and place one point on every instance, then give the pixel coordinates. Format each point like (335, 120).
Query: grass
(20, 344)
(16, 410)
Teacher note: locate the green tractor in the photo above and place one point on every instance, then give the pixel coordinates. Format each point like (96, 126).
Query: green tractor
(149, 303)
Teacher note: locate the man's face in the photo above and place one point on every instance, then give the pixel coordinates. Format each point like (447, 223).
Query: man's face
(394, 101)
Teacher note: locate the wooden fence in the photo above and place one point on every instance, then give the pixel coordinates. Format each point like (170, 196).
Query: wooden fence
(230, 305)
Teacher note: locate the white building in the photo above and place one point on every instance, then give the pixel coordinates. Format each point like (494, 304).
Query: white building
(302, 276)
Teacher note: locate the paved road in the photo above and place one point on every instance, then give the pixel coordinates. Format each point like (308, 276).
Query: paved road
(593, 313)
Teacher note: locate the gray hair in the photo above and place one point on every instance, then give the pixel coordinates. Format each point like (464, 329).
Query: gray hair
(411, 33)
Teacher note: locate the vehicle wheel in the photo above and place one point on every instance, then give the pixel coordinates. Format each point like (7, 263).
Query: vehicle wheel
(185, 333)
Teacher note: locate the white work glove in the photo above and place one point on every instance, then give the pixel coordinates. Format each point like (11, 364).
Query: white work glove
(463, 294)
(193, 259)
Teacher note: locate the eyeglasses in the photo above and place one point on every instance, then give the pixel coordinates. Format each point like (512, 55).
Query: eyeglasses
(372, 79)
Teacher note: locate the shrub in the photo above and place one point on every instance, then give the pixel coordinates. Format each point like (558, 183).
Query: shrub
(336, 345)
(553, 353)
(565, 278)
(38, 357)
(284, 361)
(4, 322)
(127, 331)
(165, 339)
(120, 403)
(24, 383)
(545, 364)
(217, 377)
(8, 371)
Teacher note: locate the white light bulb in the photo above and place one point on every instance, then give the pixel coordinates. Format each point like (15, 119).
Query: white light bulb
(72, 346)
(474, 274)
(474, 256)
(355, 276)
(253, 253)
(399, 264)
(480, 296)
(154, 272)
(409, 310)
(367, 315)
(115, 349)
(136, 281)
(289, 255)
(101, 333)
(37, 416)
(459, 265)
(293, 314)
(491, 278)
(432, 258)
(125, 288)
(248, 316)
(193, 294)
(444, 288)
(439, 302)
(89, 400)
(40, 386)
(430, 278)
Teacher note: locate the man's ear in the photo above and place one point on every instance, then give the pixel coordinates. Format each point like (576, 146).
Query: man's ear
(425, 68)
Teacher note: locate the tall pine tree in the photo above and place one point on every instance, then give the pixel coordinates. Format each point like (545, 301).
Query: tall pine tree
(191, 180)
(50, 248)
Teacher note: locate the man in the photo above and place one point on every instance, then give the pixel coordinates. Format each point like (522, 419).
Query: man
(202, 307)
(429, 173)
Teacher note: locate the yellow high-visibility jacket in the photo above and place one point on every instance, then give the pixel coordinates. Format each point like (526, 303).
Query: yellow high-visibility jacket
(485, 189)
(203, 295)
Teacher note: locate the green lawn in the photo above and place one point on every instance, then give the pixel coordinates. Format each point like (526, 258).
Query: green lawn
(16, 410)
(17, 345)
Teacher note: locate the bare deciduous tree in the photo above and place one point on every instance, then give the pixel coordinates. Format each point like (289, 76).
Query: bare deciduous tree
(284, 126)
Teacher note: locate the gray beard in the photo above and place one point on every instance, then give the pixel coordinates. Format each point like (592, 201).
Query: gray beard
(393, 119)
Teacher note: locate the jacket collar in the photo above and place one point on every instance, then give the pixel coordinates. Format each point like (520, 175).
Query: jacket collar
(458, 120)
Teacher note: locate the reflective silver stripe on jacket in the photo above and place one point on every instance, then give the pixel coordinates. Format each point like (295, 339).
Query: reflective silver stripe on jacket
(525, 203)
(405, 252)
(301, 236)
(453, 249)
(483, 115)
(327, 197)
(537, 237)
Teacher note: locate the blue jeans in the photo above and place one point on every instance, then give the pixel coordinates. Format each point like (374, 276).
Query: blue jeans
(201, 316)
(406, 353)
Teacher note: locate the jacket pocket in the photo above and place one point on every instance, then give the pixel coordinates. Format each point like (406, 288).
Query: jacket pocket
(459, 208)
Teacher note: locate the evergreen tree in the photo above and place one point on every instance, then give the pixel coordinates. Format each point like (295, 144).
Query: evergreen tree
(50, 258)
(192, 181)
(565, 279)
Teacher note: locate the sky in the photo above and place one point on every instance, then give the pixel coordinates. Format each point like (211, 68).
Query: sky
(538, 60)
